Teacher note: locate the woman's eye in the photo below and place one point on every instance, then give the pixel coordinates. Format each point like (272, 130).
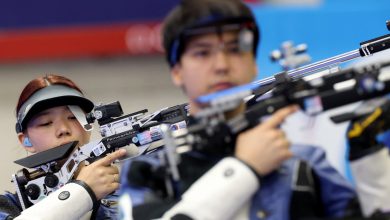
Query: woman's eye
(72, 117)
(43, 124)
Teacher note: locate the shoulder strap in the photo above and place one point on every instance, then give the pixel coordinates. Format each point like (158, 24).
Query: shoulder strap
(306, 196)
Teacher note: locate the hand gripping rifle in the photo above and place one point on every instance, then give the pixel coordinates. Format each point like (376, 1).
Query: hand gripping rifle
(54, 168)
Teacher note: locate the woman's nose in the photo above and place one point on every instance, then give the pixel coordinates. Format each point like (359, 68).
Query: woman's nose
(63, 129)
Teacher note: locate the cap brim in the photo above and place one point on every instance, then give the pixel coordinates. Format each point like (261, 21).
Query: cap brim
(49, 97)
(84, 104)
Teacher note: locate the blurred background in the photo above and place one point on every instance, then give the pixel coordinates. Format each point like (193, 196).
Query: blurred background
(112, 48)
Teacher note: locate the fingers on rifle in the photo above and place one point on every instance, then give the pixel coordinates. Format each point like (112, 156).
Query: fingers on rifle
(114, 186)
(112, 170)
(278, 117)
(283, 144)
(110, 158)
(287, 155)
(116, 178)
(277, 134)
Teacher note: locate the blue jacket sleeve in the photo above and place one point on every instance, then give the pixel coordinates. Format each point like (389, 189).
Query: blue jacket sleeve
(9, 206)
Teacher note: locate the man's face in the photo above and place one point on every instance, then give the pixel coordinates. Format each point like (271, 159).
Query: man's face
(211, 63)
(54, 127)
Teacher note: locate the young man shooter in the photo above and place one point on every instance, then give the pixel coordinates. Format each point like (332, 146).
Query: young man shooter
(211, 46)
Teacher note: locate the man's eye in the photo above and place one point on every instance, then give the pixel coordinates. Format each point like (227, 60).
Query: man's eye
(72, 117)
(202, 53)
(233, 49)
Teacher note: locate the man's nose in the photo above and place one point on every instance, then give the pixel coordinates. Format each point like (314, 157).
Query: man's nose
(221, 62)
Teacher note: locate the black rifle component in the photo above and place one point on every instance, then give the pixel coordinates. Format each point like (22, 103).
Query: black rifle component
(54, 154)
(362, 111)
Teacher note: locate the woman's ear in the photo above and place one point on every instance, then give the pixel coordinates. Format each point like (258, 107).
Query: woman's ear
(25, 141)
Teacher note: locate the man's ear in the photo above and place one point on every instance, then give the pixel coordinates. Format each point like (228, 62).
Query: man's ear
(176, 75)
(26, 143)
(256, 71)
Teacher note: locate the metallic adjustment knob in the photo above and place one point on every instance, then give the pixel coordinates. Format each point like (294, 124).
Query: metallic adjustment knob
(33, 191)
(51, 180)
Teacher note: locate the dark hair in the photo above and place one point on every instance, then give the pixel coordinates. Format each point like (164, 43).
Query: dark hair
(198, 13)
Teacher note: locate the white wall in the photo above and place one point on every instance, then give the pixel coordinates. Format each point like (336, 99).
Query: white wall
(138, 83)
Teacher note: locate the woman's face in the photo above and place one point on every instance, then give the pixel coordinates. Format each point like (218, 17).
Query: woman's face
(52, 128)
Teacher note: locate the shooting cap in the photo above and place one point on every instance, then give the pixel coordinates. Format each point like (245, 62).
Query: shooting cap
(49, 97)
(207, 16)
